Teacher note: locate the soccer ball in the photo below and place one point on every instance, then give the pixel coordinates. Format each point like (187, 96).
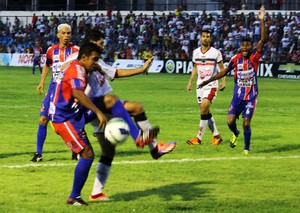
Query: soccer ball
(116, 131)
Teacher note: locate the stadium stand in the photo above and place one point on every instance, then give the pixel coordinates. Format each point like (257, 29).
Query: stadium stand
(166, 36)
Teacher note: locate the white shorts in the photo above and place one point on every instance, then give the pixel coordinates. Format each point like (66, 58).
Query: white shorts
(210, 94)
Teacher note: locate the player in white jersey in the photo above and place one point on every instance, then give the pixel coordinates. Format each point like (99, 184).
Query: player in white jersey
(206, 59)
(98, 90)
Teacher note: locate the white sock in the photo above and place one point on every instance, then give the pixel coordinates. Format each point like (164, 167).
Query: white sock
(102, 174)
(212, 126)
(202, 126)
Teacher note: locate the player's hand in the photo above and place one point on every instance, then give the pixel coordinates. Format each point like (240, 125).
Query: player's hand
(148, 63)
(189, 87)
(40, 88)
(222, 87)
(261, 13)
(199, 86)
(102, 120)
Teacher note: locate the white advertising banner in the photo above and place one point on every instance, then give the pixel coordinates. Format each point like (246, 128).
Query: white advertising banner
(23, 59)
(155, 67)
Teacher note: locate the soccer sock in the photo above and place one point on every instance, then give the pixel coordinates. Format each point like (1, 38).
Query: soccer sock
(118, 110)
(247, 137)
(144, 124)
(202, 126)
(40, 139)
(102, 173)
(233, 129)
(80, 175)
(33, 70)
(212, 125)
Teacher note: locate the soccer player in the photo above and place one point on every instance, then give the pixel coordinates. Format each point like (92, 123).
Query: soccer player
(245, 66)
(55, 57)
(206, 59)
(98, 90)
(36, 57)
(69, 119)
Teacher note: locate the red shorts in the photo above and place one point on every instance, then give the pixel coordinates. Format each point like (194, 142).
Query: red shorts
(73, 133)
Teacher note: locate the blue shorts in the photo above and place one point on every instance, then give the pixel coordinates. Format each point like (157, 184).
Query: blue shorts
(36, 62)
(238, 106)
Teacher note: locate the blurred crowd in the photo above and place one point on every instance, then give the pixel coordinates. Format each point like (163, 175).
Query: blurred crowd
(166, 36)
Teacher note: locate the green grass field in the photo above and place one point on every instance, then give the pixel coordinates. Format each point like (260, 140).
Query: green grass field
(202, 178)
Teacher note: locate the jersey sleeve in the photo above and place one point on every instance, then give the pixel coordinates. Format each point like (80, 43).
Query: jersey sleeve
(219, 56)
(77, 77)
(108, 70)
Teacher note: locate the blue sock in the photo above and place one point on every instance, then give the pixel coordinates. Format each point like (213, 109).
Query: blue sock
(40, 139)
(233, 129)
(33, 70)
(80, 175)
(247, 137)
(118, 110)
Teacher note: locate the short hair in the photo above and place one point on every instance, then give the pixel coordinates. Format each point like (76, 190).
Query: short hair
(63, 26)
(87, 49)
(207, 30)
(247, 39)
(93, 35)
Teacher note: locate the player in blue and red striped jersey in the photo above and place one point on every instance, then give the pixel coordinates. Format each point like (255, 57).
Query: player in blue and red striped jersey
(55, 57)
(245, 66)
(36, 57)
(68, 119)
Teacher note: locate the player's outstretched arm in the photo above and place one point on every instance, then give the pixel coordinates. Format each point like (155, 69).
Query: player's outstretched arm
(222, 85)
(216, 77)
(130, 72)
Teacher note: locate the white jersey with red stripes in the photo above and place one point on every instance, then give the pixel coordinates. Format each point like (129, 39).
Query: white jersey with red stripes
(206, 63)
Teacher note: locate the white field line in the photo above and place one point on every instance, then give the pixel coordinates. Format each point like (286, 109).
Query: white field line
(155, 161)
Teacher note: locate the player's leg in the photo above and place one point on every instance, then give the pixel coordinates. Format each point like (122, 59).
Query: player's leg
(72, 131)
(117, 109)
(137, 111)
(234, 111)
(42, 129)
(249, 108)
(104, 164)
(33, 68)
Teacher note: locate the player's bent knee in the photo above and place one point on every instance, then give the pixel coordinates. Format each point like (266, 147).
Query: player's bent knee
(43, 120)
(88, 152)
(110, 100)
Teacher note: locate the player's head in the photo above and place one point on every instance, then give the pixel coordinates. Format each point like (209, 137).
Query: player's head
(37, 44)
(206, 37)
(246, 46)
(64, 33)
(89, 55)
(96, 37)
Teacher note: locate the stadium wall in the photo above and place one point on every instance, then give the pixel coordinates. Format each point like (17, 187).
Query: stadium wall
(269, 70)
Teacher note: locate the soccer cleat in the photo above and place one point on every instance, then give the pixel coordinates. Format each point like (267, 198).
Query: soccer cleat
(146, 136)
(77, 202)
(75, 156)
(98, 197)
(162, 149)
(233, 140)
(37, 157)
(194, 141)
(246, 152)
(216, 140)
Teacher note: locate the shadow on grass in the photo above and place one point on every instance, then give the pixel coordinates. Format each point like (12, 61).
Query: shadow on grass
(14, 154)
(285, 148)
(182, 191)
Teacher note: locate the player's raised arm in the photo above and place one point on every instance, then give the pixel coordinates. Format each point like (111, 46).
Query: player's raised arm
(263, 34)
